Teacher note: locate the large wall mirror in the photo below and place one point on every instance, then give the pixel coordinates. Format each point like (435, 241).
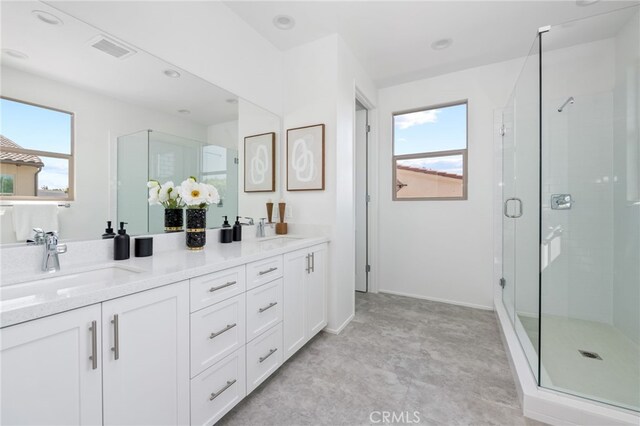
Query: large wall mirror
(87, 120)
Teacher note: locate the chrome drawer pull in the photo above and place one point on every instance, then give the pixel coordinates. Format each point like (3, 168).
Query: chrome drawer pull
(214, 395)
(224, 330)
(94, 345)
(271, 305)
(116, 337)
(267, 271)
(271, 352)
(230, 283)
(313, 262)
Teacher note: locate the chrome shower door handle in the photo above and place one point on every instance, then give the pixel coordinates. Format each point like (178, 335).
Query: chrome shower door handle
(506, 208)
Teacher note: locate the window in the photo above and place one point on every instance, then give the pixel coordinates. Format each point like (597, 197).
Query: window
(430, 153)
(36, 152)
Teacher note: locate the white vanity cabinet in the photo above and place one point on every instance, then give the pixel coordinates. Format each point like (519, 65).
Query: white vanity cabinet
(48, 372)
(145, 357)
(124, 361)
(305, 296)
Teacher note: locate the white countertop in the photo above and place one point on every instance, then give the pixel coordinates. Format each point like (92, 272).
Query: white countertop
(38, 298)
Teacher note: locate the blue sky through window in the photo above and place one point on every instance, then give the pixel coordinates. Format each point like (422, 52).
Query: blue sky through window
(433, 130)
(41, 129)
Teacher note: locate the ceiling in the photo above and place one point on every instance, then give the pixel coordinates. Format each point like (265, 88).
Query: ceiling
(63, 53)
(392, 39)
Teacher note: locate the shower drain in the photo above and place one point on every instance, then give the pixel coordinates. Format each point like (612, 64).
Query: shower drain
(589, 354)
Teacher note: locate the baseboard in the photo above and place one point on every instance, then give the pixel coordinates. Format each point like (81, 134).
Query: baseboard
(435, 299)
(342, 326)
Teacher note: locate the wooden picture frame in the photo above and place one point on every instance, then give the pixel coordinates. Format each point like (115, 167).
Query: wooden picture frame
(305, 147)
(260, 163)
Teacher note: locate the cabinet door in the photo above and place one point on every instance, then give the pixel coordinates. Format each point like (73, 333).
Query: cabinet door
(146, 357)
(316, 292)
(48, 376)
(295, 275)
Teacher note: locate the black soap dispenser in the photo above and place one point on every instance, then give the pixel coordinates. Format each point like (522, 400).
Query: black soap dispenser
(121, 244)
(237, 230)
(226, 223)
(108, 232)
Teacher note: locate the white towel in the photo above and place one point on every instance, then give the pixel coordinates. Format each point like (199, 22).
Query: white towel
(29, 216)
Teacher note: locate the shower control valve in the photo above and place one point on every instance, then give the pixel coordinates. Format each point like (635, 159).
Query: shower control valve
(561, 201)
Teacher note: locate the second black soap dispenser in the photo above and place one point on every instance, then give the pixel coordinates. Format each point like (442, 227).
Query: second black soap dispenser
(237, 230)
(121, 244)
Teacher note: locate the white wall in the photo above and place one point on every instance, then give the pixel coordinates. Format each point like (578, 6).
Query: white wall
(442, 250)
(253, 120)
(224, 134)
(320, 87)
(203, 37)
(99, 120)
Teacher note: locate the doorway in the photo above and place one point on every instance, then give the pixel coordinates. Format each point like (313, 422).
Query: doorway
(362, 197)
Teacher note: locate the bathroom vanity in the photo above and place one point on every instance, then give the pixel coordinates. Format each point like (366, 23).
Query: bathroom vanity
(177, 338)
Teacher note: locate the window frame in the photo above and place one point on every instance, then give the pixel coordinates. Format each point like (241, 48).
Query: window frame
(52, 154)
(464, 152)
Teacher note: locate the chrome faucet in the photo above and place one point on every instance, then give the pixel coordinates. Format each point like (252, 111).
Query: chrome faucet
(38, 237)
(260, 228)
(51, 251)
(249, 221)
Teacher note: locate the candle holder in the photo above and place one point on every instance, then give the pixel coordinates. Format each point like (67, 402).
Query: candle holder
(281, 227)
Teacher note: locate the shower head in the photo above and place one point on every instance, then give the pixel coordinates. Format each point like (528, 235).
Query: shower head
(568, 101)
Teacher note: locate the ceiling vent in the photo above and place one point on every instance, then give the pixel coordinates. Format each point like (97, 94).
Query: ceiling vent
(111, 47)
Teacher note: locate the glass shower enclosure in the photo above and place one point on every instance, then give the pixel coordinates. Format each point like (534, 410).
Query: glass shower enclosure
(150, 154)
(571, 208)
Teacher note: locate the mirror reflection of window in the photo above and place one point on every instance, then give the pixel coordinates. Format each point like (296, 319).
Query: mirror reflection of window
(36, 151)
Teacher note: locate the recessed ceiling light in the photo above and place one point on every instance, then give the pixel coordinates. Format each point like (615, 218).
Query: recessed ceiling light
(16, 54)
(171, 73)
(46, 17)
(443, 43)
(184, 111)
(284, 22)
(586, 2)
(232, 101)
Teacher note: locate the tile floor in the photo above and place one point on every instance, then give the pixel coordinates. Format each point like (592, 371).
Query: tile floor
(401, 355)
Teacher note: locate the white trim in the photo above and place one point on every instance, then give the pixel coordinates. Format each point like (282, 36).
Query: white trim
(435, 299)
(342, 326)
(549, 406)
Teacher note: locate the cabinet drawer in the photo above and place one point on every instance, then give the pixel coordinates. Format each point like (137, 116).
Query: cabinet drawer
(217, 331)
(218, 389)
(263, 271)
(264, 356)
(264, 308)
(209, 289)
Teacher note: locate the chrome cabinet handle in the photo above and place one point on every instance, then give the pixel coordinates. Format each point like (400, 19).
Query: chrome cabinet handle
(271, 352)
(116, 337)
(230, 283)
(271, 305)
(214, 395)
(224, 330)
(308, 268)
(267, 271)
(94, 345)
(313, 262)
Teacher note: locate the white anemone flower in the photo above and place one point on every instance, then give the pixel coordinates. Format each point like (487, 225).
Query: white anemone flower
(213, 197)
(192, 193)
(164, 194)
(153, 196)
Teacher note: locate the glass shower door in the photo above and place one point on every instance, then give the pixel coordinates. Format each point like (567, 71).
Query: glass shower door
(520, 183)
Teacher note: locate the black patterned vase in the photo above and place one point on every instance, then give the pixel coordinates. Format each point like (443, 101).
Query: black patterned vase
(196, 228)
(173, 220)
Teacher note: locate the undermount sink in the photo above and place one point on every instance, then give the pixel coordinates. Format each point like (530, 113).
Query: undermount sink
(38, 287)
